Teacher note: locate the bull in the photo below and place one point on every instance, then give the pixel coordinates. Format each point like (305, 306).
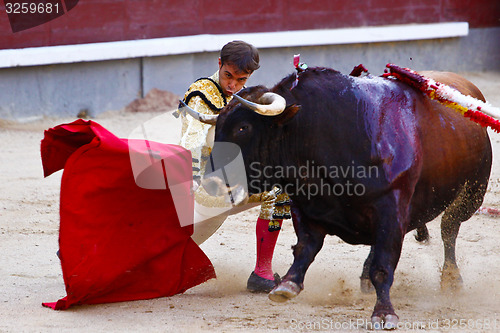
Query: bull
(411, 159)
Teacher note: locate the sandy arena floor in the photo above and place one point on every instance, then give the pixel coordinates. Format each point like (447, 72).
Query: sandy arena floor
(30, 272)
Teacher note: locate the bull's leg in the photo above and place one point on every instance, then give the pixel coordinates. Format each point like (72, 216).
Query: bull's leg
(365, 282)
(450, 274)
(391, 222)
(366, 285)
(465, 205)
(310, 240)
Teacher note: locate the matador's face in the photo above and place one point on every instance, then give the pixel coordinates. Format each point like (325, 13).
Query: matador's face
(231, 78)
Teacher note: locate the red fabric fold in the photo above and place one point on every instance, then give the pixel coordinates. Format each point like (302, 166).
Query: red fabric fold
(118, 241)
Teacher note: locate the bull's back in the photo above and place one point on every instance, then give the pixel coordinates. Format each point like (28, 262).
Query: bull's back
(455, 150)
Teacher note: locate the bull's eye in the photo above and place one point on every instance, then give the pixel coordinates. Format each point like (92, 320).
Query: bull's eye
(242, 130)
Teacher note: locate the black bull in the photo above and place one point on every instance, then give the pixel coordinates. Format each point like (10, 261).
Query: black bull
(367, 159)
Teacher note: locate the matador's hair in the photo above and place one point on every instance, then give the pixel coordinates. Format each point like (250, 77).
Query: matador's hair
(243, 55)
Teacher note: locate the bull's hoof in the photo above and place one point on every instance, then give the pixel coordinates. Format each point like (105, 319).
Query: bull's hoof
(422, 235)
(366, 286)
(451, 281)
(387, 322)
(284, 291)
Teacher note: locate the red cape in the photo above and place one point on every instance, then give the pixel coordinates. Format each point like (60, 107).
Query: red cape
(118, 241)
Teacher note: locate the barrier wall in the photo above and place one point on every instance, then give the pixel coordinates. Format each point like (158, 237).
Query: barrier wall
(91, 21)
(161, 46)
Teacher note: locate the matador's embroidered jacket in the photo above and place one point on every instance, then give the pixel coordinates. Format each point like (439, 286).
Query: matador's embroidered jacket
(205, 96)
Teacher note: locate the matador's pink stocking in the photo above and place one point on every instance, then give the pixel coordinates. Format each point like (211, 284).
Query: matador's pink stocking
(266, 241)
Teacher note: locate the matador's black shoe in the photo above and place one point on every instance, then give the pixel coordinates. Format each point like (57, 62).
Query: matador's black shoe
(257, 284)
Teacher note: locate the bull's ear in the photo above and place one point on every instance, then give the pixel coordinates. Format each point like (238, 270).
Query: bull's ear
(289, 112)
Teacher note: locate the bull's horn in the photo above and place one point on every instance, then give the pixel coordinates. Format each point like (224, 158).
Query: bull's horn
(273, 105)
(204, 118)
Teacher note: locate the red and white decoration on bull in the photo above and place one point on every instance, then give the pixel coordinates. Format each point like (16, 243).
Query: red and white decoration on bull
(481, 112)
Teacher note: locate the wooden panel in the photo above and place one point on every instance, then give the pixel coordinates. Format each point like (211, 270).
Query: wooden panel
(112, 20)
